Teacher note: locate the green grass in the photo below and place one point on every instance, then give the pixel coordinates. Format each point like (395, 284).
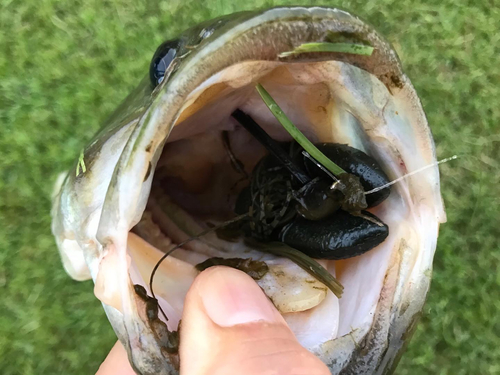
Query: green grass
(64, 66)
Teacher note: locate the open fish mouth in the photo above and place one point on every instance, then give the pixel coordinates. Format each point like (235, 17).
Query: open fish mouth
(172, 162)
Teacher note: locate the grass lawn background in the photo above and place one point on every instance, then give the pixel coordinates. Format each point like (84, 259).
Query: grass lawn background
(65, 65)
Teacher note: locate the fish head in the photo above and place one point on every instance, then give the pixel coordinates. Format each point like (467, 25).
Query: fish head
(158, 172)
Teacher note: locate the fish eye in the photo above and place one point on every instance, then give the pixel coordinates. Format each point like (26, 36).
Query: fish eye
(161, 61)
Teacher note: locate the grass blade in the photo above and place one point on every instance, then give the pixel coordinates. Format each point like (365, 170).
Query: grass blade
(296, 133)
(81, 165)
(304, 261)
(355, 49)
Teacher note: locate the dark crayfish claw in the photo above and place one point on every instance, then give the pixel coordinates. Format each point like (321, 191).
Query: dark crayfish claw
(338, 237)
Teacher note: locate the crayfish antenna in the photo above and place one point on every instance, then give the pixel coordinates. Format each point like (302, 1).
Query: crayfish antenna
(206, 231)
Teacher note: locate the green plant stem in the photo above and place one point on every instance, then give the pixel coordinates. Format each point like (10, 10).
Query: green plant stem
(296, 133)
(355, 49)
(304, 261)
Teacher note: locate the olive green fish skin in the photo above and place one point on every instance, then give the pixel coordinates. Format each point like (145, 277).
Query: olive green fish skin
(91, 215)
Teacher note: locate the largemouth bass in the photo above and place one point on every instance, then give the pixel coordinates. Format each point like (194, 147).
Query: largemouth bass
(159, 172)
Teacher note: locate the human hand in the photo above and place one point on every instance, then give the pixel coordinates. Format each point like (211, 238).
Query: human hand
(229, 326)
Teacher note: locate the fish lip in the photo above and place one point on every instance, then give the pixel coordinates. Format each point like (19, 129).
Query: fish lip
(124, 201)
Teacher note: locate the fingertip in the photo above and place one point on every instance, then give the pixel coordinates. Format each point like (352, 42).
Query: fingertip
(230, 297)
(229, 326)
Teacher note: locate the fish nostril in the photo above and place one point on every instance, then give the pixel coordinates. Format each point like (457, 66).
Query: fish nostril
(162, 60)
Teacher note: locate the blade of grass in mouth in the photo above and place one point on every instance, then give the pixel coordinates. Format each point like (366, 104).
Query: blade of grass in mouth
(296, 133)
(304, 261)
(270, 144)
(355, 49)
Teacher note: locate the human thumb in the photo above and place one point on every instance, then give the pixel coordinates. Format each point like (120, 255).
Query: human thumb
(229, 326)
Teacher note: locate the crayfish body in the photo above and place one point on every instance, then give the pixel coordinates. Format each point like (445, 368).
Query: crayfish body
(292, 199)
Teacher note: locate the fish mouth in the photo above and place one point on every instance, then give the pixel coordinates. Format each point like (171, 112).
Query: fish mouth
(175, 178)
(195, 185)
